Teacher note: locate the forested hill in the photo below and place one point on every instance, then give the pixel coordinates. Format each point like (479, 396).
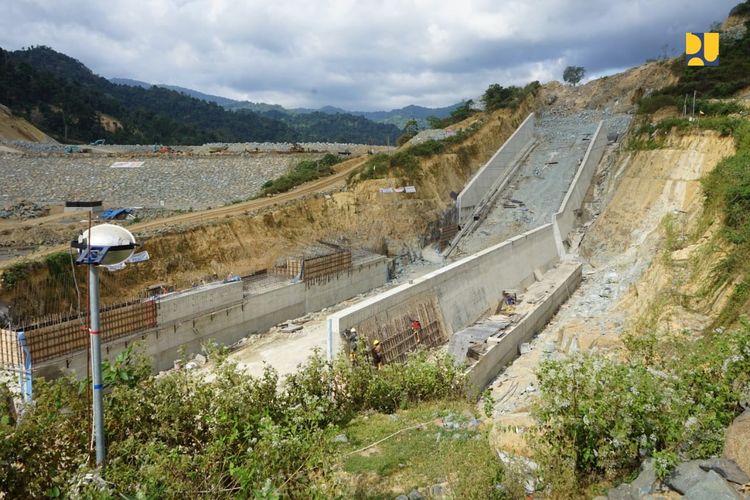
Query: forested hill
(68, 101)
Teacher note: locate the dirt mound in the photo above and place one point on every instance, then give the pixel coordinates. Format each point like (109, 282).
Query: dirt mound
(618, 92)
(13, 128)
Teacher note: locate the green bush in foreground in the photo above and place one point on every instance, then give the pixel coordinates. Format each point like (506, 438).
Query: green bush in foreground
(233, 435)
(600, 418)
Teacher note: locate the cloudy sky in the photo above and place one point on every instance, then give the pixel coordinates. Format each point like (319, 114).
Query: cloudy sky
(359, 55)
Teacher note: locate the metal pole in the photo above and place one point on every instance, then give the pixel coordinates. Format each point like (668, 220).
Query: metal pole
(330, 339)
(96, 363)
(694, 92)
(26, 383)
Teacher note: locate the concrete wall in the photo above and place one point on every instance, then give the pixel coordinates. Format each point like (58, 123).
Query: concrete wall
(224, 314)
(573, 201)
(198, 301)
(468, 288)
(465, 289)
(495, 169)
(505, 351)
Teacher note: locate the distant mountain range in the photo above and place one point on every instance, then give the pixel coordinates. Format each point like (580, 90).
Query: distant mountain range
(66, 100)
(397, 117)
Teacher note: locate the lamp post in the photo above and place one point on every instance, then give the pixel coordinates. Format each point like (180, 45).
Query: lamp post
(106, 244)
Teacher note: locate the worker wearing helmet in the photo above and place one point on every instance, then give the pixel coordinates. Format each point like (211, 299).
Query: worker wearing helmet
(353, 341)
(377, 354)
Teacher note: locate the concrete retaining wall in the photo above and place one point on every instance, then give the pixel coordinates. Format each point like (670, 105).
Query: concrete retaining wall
(573, 201)
(223, 313)
(505, 351)
(465, 289)
(495, 169)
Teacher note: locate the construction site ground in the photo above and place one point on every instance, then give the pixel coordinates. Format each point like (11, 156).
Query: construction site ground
(559, 137)
(567, 108)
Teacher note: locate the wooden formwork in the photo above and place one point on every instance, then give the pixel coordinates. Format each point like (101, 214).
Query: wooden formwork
(446, 235)
(316, 268)
(393, 328)
(54, 338)
(10, 350)
(290, 268)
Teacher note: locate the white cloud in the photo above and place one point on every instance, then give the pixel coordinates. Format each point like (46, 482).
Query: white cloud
(354, 54)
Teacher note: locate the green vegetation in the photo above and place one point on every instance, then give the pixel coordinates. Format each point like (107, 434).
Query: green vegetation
(62, 97)
(731, 75)
(57, 264)
(498, 97)
(405, 163)
(574, 74)
(679, 393)
(410, 130)
(178, 435)
(727, 190)
(416, 449)
(304, 171)
(465, 110)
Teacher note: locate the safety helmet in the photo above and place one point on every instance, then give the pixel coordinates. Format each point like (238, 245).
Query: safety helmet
(377, 342)
(353, 330)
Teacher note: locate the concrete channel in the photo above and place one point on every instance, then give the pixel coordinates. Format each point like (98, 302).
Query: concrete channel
(473, 287)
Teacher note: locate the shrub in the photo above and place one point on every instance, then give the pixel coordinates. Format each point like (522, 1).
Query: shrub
(669, 397)
(304, 171)
(652, 103)
(232, 435)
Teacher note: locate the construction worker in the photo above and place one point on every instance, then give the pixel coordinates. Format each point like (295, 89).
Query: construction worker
(416, 328)
(353, 340)
(377, 354)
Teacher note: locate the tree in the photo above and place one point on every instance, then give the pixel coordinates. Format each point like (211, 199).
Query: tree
(411, 127)
(574, 74)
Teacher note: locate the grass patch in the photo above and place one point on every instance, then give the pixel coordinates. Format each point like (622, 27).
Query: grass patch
(432, 453)
(304, 171)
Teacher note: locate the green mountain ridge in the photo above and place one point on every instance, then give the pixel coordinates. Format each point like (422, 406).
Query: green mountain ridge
(397, 117)
(64, 98)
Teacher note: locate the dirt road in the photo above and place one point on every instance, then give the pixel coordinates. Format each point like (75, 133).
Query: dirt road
(342, 170)
(60, 222)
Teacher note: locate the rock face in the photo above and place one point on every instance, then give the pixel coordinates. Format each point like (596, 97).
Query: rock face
(737, 442)
(712, 487)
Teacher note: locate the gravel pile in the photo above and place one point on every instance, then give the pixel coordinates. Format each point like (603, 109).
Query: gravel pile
(431, 134)
(242, 147)
(23, 210)
(177, 183)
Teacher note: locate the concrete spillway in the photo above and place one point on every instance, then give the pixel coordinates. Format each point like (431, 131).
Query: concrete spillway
(470, 287)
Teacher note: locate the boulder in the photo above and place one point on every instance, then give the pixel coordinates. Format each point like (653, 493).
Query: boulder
(644, 483)
(685, 476)
(737, 442)
(622, 492)
(727, 469)
(415, 495)
(712, 487)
